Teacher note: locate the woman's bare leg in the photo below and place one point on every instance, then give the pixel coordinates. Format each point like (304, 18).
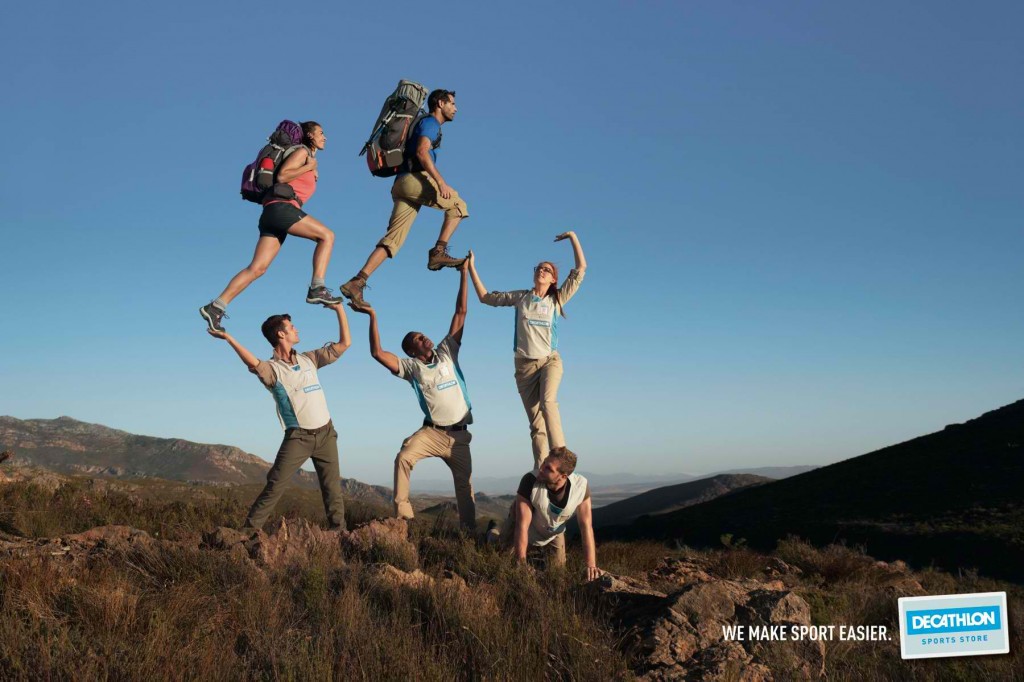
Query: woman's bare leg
(311, 228)
(267, 249)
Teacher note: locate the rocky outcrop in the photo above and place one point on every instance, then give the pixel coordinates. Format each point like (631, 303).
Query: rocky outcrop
(681, 634)
(382, 541)
(294, 540)
(71, 550)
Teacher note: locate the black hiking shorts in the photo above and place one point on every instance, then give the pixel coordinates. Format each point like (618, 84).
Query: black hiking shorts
(277, 218)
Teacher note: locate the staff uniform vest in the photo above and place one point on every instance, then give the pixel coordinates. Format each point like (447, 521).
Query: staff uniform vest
(300, 398)
(440, 387)
(548, 520)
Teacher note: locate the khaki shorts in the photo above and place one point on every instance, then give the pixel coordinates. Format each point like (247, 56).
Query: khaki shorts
(410, 192)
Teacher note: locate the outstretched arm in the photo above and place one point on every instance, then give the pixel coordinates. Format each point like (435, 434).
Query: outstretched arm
(494, 298)
(389, 360)
(244, 353)
(459, 318)
(586, 519)
(524, 515)
(577, 250)
(478, 284)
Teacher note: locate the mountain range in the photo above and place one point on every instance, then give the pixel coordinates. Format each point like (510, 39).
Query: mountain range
(950, 498)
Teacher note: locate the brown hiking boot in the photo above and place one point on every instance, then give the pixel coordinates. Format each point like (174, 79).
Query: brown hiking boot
(440, 258)
(353, 291)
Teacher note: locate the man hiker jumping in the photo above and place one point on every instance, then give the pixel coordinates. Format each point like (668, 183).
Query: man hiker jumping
(420, 184)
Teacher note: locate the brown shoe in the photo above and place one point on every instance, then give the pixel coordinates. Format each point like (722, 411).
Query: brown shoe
(353, 291)
(440, 258)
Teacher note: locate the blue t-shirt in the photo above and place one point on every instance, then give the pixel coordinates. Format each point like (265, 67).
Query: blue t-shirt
(429, 128)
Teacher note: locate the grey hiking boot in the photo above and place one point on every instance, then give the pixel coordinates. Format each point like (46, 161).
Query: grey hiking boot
(213, 315)
(322, 295)
(353, 291)
(440, 258)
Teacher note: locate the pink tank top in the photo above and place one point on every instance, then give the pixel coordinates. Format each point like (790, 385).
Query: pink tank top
(304, 186)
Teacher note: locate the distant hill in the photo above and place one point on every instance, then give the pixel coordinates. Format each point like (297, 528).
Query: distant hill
(952, 498)
(605, 488)
(68, 446)
(673, 497)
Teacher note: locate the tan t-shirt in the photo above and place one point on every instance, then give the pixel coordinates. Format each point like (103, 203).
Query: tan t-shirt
(536, 316)
(296, 387)
(439, 385)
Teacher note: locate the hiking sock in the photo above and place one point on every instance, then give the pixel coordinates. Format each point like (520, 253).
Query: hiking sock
(318, 282)
(361, 275)
(440, 245)
(219, 304)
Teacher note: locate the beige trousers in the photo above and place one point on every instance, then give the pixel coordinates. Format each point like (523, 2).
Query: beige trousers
(453, 448)
(410, 191)
(537, 381)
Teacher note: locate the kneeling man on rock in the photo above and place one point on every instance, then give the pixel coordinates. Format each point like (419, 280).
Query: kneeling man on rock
(544, 503)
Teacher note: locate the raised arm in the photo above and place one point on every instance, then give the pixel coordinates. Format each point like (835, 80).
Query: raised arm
(297, 163)
(478, 284)
(461, 307)
(577, 250)
(389, 360)
(344, 335)
(244, 353)
(493, 298)
(585, 516)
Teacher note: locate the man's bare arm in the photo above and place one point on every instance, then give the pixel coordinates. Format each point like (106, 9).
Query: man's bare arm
(461, 307)
(389, 360)
(344, 335)
(423, 146)
(585, 516)
(244, 353)
(524, 515)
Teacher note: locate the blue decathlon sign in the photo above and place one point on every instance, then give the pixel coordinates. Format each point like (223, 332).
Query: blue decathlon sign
(940, 621)
(954, 625)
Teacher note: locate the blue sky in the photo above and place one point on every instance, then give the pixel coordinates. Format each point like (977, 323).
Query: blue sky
(803, 220)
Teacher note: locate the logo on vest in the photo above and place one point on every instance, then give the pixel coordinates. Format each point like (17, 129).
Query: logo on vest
(538, 323)
(447, 384)
(310, 389)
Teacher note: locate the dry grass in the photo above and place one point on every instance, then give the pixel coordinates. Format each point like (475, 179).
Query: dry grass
(172, 610)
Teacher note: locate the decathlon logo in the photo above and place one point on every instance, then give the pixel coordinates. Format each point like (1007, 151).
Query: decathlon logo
(447, 384)
(954, 625)
(953, 620)
(310, 389)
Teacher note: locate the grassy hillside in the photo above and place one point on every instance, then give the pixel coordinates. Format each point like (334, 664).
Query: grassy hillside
(169, 606)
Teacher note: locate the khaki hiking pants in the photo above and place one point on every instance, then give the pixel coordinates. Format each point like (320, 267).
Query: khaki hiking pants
(553, 552)
(453, 448)
(410, 191)
(298, 446)
(537, 381)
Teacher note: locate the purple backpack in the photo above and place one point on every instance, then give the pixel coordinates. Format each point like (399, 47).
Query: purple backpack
(260, 175)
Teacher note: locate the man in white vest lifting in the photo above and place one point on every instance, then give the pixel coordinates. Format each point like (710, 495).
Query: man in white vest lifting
(436, 377)
(544, 503)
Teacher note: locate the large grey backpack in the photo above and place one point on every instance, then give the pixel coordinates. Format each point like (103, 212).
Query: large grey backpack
(385, 150)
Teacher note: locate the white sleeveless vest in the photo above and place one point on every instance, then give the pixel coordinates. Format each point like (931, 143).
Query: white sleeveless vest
(548, 520)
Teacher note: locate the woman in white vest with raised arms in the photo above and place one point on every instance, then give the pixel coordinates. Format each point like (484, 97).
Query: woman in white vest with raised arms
(544, 503)
(538, 364)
